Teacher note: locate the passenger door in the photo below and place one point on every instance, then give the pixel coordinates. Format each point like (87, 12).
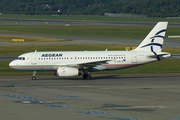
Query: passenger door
(33, 59)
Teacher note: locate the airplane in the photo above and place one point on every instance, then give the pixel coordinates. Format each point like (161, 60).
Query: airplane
(74, 63)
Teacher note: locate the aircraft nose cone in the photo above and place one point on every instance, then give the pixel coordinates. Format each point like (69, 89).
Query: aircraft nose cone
(11, 64)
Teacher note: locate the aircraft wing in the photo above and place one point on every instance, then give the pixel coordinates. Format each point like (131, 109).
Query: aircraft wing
(87, 65)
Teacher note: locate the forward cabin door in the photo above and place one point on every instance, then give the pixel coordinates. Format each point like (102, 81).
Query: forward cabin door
(33, 59)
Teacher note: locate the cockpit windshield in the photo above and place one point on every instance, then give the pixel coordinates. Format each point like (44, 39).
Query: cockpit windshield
(20, 58)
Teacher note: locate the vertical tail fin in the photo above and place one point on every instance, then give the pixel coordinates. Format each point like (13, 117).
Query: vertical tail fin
(154, 40)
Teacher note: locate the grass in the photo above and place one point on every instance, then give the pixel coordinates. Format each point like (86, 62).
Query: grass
(91, 18)
(163, 66)
(20, 49)
(93, 31)
(8, 38)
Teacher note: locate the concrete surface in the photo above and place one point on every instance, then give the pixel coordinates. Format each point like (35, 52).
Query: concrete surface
(105, 97)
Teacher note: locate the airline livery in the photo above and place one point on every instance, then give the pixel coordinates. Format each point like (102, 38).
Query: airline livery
(74, 63)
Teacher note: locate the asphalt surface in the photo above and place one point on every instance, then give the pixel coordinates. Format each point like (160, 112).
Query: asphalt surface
(78, 22)
(105, 97)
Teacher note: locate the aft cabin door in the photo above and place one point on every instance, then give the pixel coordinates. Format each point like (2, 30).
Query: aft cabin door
(33, 59)
(134, 58)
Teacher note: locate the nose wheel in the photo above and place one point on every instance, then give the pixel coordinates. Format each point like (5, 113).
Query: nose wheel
(34, 75)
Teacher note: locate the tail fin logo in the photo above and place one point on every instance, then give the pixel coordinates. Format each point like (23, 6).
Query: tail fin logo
(153, 38)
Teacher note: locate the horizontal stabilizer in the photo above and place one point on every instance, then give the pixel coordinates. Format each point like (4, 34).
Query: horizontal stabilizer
(161, 56)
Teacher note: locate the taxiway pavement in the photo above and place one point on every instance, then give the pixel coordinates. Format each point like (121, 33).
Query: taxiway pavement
(106, 97)
(21, 21)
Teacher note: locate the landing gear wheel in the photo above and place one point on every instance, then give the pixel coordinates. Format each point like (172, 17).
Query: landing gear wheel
(87, 76)
(33, 77)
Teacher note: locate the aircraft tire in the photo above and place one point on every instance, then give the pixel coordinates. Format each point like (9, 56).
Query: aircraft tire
(87, 76)
(33, 77)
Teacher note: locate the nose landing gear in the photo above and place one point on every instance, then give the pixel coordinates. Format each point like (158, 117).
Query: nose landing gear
(34, 75)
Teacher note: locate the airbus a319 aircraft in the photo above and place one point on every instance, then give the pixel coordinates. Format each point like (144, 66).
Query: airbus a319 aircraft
(74, 63)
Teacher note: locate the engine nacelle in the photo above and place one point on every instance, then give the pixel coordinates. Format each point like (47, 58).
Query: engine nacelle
(66, 71)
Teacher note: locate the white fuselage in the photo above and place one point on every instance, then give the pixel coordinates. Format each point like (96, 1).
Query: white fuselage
(107, 60)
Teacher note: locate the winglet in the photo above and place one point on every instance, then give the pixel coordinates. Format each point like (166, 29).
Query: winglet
(154, 40)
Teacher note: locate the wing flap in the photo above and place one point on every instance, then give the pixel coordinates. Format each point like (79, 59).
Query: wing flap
(87, 65)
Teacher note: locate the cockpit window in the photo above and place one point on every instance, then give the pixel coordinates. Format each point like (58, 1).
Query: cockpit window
(20, 58)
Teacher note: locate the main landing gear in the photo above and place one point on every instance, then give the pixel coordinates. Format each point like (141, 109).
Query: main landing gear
(34, 75)
(87, 75)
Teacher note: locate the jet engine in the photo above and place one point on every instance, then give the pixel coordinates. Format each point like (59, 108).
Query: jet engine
(66, 71)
